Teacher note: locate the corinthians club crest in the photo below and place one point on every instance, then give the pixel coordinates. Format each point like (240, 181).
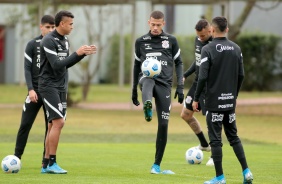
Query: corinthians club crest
(165, 44)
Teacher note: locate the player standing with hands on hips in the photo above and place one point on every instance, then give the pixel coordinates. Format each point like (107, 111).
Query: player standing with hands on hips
(33, 101)
(53, 82)
(164, 47)
(222, 71)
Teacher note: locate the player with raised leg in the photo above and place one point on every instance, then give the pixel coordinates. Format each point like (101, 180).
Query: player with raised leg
(164, 47)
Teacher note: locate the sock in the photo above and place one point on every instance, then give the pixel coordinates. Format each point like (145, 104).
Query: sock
(52, 160)
(45, 162)
(202, 139)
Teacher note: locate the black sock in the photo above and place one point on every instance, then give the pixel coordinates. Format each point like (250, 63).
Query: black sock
(52, 160)
(45, 162)
(202, 139)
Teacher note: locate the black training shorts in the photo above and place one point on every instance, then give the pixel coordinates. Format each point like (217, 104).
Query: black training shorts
(55, 103)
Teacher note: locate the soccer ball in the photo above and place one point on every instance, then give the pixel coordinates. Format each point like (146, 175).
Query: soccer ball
(194, 155)
(151, 68)
(11, 164)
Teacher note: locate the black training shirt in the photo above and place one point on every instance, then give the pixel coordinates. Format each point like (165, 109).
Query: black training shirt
(55, 60)
(222, 69)
(165, 49)
(32, 63)
(194, 68)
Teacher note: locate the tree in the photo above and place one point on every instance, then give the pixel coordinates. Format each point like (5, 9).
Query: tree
(234, 29)
(97, 34)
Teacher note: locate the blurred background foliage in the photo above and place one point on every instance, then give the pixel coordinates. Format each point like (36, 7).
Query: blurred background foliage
(262, 60)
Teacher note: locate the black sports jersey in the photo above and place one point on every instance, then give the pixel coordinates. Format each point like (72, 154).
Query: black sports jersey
(194, 68)
(165, 49)
(32, 63)
(55, 60)
(222, 68)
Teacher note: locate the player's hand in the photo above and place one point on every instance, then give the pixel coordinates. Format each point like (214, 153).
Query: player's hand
(195, 106)
(83, 50)
(93, 50)
(179, 93)
(134, 97)
(33, 96)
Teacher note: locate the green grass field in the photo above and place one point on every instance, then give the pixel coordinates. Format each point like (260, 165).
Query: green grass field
(103, 146)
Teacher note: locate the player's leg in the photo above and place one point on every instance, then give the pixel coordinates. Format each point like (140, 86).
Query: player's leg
(46, 128)
(230, 128)
(55, 104)
(187, 115)
(147, 86)
(46, 155)
(29, 114)
(214, 122)
(163, 104)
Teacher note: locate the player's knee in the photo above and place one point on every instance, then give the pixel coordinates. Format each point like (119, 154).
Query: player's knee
(216, 143)
(58, 123)
(234, 140)
(186, 115)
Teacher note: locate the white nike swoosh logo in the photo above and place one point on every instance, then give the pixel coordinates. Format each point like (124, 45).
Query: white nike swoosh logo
(167, 96)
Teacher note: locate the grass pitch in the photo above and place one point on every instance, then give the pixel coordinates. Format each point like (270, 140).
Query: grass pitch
(106, 146)
(100, 146)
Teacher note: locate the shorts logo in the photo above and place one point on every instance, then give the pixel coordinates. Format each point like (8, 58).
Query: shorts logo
(47, 114)
(60, 107)
(165, 44)
(217, 117)
(232, 117)
(188, 99)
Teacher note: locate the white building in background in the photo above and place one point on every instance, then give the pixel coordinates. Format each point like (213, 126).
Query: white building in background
(186, 16)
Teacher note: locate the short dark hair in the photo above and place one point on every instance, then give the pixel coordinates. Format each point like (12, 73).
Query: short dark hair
(157, 15)
(220, 23)
(59, 16)
(202, 24)
(48, 19)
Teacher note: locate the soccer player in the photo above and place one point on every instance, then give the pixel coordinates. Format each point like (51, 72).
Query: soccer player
(222, 71)
(203, 37)
(33, 101)
(53, 81)
(163, 47)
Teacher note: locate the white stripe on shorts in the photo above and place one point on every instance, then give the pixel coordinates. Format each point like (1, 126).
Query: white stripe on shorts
(54, 109)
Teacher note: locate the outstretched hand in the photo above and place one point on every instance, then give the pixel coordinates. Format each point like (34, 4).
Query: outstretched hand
(86, 50)
(93, 50)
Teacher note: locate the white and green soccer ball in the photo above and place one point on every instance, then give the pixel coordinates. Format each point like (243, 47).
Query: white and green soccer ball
(194, 155)
(11, 164)
(151, 68)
